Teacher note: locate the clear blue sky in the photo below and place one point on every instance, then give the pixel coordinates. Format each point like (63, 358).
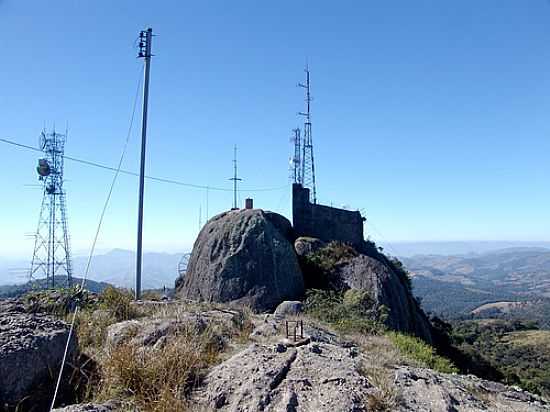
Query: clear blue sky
(432, 116)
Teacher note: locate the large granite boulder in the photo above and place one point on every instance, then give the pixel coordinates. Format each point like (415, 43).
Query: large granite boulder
(307, 245)
(31, 352)
(385, 288)
(246, 257)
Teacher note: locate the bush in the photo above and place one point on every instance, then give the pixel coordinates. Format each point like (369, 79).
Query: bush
(419, 351)
(318, 268)
(118, 302)
(59, 302)
(350, 311)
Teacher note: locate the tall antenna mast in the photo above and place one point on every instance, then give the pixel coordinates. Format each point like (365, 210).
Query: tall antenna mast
(145, 39)
(52, 253)
(307, 163)
(297, 158)
(235, 179)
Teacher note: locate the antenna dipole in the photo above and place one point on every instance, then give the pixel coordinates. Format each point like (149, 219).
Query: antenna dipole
(145, 39)
(235, 178)
(307, 160)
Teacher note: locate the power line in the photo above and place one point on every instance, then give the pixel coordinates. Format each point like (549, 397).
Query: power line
(153, 178)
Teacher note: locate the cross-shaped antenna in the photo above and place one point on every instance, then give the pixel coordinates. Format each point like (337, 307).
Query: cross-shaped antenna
(235, 178)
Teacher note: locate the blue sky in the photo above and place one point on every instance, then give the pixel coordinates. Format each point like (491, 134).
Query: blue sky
(433, 117)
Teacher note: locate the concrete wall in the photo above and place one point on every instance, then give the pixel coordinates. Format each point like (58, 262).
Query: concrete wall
(324, 222)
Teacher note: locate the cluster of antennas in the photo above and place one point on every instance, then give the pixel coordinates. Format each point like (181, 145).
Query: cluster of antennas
(302, 163)
(144, 45)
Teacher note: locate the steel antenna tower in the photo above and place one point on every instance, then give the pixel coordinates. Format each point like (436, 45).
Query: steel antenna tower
(52, 254)
(235, 179)
(145, 39)
(296, 159)
(307, 162)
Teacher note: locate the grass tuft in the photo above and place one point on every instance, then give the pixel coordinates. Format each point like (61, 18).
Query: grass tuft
(421, 353)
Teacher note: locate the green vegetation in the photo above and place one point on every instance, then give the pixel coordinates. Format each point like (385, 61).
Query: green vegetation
(119, 303)
(318, 268)
(352, 311)
(418, 351)
(59, 302)
(16, 291)
(519, 351)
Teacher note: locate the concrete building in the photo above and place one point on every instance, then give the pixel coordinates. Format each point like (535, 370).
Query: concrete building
(324, 222)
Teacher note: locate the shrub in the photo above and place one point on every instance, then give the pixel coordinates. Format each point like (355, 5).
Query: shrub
(91, 327)
(419, 351)
(318, 267)
(59, 302)
(350, 311)
(118, 302)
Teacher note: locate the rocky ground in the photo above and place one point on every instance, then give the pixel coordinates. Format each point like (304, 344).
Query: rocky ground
(262, 370)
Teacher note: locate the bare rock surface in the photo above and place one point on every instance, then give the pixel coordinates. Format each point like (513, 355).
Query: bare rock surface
(153, 332)
(385, 288)
(244, 256)
(313, 377)
(31, 350)
(423, 390)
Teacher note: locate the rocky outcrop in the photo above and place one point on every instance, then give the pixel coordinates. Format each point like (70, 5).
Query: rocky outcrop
(423, 390)
(31, 352)
(306, 245)
(385, 288)
(246, 257)
(154, 332)
(313, 377)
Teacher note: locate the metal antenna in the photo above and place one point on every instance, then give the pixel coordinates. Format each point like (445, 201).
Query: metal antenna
(307, 162)
(145, 39)
(52, 254)
(297, 158)
(235, 179)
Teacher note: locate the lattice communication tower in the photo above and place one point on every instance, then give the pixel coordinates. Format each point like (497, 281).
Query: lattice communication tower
(52, 254)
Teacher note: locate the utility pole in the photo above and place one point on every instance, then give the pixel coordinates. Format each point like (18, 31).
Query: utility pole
(235, 179)
(145, 38)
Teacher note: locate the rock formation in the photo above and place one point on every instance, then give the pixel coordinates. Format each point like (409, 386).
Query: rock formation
(31, 350)
(386, 288)
(306, 245)
(244, 256)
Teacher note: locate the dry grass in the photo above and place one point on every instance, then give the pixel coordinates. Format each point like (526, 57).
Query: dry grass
(379, 358)
(159, 379)
(156, 378)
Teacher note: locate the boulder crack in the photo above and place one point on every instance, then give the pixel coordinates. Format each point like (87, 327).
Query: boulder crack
(281, 376)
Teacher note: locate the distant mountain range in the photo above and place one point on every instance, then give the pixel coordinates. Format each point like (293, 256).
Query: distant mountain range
(116, 267)
(13, 291)
(457, 285)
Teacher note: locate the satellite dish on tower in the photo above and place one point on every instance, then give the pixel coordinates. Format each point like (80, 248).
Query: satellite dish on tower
(43, 168)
